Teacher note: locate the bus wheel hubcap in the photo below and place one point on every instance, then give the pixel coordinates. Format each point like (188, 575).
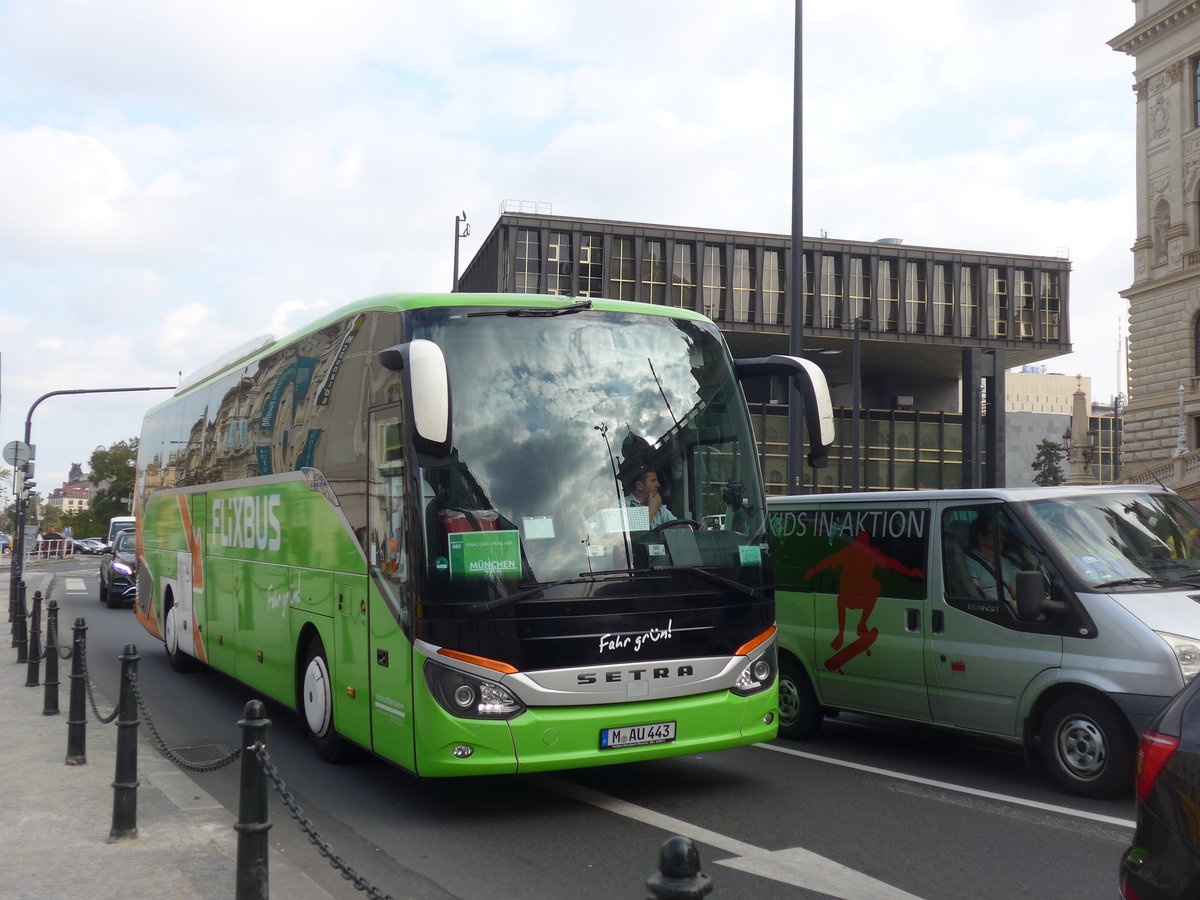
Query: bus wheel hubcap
(317, 699)
(171, 627)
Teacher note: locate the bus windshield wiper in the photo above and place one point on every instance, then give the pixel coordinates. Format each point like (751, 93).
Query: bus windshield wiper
(709, 574)
(478, 609)
(533, 311)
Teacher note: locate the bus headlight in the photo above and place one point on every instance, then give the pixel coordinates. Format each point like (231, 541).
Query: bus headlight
(758, 675)
(468, 696)
(1187, 653)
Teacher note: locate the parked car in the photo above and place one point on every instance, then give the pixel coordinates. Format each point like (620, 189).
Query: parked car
(118, 572)
(87, 546)
(1163, 861)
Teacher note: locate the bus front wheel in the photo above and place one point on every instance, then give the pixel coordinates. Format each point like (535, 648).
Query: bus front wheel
(316, 704)
(180, 661)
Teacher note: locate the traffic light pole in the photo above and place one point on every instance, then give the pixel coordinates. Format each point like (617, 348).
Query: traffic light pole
(18, 550)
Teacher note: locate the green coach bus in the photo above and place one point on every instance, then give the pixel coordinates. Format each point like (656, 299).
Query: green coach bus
(421, 522)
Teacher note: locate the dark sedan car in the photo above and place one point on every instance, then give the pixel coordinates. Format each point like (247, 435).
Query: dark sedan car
(1163, 862)
(118, 567)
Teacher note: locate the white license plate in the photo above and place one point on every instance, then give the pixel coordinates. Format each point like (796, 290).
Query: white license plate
(637, 735)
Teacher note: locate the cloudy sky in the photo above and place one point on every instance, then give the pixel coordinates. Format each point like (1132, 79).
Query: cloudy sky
(178, 177)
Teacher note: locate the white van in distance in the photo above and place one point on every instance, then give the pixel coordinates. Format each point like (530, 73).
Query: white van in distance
(1060, 618)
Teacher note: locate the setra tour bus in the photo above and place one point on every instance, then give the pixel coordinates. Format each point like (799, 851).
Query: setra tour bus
(419, 522)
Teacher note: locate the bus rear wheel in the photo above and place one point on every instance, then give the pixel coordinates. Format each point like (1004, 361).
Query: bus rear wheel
(316, 704)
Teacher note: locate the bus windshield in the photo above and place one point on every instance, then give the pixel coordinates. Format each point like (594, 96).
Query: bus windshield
(1124, 541)
(561, 426)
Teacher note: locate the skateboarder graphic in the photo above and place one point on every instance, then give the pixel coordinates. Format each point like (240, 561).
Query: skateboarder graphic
(858, 589)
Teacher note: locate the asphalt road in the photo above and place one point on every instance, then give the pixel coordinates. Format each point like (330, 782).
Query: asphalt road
(870, 810)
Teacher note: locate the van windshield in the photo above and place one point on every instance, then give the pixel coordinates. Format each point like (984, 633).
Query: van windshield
(1124, 540)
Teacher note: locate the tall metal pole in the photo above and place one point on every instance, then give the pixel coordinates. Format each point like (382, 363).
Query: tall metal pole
(461, 230)
(856, 377)
(795, 281)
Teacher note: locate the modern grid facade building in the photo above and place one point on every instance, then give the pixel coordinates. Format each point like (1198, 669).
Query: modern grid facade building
(934, 329)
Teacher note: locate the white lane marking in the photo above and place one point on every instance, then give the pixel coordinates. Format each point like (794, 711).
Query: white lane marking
(75, 586)
(956, 788)
(795, 866)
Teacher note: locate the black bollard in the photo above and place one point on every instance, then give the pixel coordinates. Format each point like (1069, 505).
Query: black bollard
(125, 785)
(34, 653)
(252, 824)
(77, 705)
(50, 695)
(20, 632)
(678, 876)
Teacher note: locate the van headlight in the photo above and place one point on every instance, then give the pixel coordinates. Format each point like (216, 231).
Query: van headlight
(1187, 653)
(758, 675)
(468, 696)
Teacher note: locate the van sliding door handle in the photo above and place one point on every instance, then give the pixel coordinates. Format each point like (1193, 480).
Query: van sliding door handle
(912, 620)
(939, 623)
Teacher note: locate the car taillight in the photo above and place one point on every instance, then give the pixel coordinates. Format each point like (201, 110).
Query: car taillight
(1154, 750)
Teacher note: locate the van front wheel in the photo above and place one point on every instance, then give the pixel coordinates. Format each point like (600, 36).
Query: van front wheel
(799, 713)
(1087, 747)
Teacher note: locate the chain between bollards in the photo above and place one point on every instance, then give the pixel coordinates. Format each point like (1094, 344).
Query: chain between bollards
(125, 783)
(253, 822)
(77, 705)
(34, 652)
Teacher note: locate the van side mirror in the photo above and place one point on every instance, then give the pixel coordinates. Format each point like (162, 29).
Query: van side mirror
(1033, 601)
(426, 396)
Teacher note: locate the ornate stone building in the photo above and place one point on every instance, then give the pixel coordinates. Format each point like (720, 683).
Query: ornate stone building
(1162, 418)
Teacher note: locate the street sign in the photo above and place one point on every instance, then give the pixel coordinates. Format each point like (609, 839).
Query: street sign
(17, 453)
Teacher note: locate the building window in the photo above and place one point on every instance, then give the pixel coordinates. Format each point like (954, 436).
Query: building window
(558, 263)
(654, 272)
(809, 292)
(860, 290)
(1196, 345)
(1023, 311)
(743, 284)
(968, 299)
(714, 280)
(830, 311)
(591, 265)
(914, 297)
(529, 261)
(943, 295)
(1196, 90)
(774, 286)
(624, 273)
(889, 308)
(1050, 304)
(683, 278)
(997, 296)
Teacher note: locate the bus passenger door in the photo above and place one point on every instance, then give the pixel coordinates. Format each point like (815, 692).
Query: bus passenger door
(389, 589)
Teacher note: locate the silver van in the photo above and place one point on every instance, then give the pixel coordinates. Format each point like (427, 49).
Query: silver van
(1061, 618)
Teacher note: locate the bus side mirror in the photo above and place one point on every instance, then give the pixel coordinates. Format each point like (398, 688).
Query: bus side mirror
(426, 396)
(810, 381)
(1033, 603)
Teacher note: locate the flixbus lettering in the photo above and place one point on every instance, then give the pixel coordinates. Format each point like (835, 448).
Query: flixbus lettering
(1060, 619)
(247, 522)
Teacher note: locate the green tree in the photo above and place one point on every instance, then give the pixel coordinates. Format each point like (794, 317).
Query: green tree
(112, 474)
(1048, 464)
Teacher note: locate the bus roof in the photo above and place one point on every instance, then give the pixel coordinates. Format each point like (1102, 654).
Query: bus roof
(263, 346)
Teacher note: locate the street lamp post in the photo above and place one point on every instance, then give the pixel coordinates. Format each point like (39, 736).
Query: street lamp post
(461, 230)
(856, 399)
(18, 548)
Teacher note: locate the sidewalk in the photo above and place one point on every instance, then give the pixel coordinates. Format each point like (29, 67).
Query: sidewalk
(56, 841)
